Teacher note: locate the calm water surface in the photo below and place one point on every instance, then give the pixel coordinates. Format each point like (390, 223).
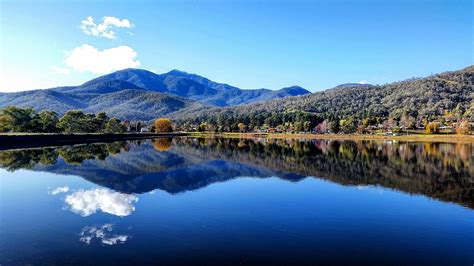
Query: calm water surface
(229, 201)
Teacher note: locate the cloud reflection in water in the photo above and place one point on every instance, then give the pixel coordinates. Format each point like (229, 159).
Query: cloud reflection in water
(103, 234)
(88, 202)
(59, 190)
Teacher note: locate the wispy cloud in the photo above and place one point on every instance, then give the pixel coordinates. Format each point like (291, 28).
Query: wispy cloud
(88, 202)
(87, 58)
(104, 29)
(59, 190)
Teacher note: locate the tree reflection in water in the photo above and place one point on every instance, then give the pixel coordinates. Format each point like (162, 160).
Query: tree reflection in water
(440, 170)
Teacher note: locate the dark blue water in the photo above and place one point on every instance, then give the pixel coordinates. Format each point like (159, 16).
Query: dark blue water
(195, 201)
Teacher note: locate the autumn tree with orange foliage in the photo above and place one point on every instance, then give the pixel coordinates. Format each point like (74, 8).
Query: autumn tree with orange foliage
(163, 125)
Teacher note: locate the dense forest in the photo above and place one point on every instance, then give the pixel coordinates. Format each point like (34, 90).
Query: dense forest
(445, 100)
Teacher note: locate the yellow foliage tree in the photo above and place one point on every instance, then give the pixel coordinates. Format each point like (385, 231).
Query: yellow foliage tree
(432, 128)
(242, 127)
(163, 125)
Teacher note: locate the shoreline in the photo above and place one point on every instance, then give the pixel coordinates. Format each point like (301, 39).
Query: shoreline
(453, 138)
(35, 140)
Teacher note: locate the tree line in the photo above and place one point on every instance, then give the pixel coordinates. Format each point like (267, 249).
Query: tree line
(305, 122)
(15, 119)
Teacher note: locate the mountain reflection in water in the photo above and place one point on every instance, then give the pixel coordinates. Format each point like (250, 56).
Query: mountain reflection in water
(443, 171)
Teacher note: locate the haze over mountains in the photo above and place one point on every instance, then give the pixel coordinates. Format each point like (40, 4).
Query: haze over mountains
(144, 95)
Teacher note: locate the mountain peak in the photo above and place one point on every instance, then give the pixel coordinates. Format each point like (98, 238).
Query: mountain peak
(348, 85)
(295, 90)
(177, 72)
(139, 77)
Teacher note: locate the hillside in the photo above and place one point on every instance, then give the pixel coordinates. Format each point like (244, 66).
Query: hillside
(115, 97)
(138, 94)
(195, 87)
(422, 98)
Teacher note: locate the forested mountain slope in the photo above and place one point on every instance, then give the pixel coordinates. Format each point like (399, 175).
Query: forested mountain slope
(195, 87)
(138, 94)
(115, 97)
(449, 93)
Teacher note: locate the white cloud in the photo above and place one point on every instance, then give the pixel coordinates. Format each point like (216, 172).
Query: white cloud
(363, 82)
(88, 202)
(60, 70)
(102, 233)
(87, 58)
(59, 190)
(104, 29)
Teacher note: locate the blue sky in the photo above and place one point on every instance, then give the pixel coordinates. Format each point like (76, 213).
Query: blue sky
(249, 44)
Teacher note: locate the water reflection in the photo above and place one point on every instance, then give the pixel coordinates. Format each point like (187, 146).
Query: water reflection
(440, 170)
(59, 190)
(88, 202)
(103, 234)
(28, 158)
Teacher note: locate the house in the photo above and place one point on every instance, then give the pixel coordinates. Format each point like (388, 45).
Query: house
(127, 125)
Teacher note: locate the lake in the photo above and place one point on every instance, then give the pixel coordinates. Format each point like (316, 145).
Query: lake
(228, 201)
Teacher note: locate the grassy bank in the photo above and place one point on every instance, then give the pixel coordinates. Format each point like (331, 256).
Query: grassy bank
(412, 137)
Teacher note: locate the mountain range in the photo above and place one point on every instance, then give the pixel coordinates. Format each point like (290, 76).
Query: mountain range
(137, 94)
(144, 95)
